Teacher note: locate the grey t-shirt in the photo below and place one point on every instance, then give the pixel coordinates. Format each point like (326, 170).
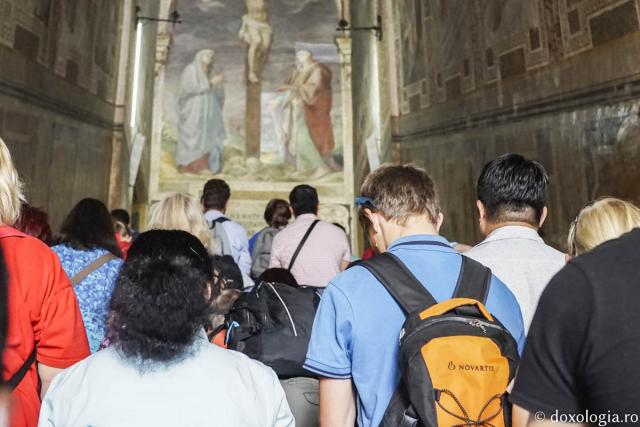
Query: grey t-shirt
(519, 257)
(262, 251)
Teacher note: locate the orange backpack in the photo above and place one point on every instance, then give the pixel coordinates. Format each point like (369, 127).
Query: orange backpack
(456, 359)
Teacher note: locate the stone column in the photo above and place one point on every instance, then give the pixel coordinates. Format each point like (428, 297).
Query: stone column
(162, 51)
(344, 48)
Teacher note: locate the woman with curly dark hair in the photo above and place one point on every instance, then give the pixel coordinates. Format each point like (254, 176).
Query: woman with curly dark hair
(91, 257)
(160, 369)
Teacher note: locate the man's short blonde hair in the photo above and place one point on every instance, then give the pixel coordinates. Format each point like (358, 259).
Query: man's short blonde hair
(605, 219)
(11, 195)
(401, 192)
(181, 211)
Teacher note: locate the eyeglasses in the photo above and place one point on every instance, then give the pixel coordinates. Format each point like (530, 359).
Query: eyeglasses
(366, 202)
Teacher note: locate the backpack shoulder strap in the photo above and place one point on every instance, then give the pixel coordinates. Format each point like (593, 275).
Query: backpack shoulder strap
(474, 280)
(220, 220)
(396, 278)
(301, 244)
(16, 378)
(99, 262)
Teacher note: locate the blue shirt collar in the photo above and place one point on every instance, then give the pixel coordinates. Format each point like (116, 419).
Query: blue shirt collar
(419, 238)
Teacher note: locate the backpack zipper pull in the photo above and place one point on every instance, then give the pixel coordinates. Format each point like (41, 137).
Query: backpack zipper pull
(477, 324)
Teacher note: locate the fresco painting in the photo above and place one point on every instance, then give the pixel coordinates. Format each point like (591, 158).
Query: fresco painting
(232, 60)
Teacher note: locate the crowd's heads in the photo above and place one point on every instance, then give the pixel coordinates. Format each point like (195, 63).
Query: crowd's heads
(304, 200)
(162, 297)
(277, 213)
(121, 215)
(216, 194)
(401, 192)
(11, 196)
(89, 226)
(180, 212)
(512, 189)
(121, 221)
(604, 219)
(35, 222)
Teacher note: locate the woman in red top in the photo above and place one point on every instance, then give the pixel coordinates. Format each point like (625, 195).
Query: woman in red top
(43, 311)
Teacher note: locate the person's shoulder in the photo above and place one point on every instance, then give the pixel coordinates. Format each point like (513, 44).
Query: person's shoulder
(331, 228)
(239, 361)
(351, 281)
(30, 250)
(552, 254)
(15, 239)
(479, 251)
(619, 252)
(96, 364)
(501, 296)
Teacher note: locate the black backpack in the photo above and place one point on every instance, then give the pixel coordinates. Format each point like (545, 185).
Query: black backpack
(272, 324)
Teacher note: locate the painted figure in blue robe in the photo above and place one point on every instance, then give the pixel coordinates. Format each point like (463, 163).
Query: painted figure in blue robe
(201, 132)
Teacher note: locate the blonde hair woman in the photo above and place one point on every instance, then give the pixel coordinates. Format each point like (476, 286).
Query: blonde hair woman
(181, 212)
(604, 219)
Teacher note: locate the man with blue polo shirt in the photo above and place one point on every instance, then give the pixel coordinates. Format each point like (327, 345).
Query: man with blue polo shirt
(354, 343)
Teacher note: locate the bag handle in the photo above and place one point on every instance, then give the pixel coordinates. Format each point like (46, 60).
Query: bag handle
(399, 281)
(301, 244)
(99, 262)
(452, 304)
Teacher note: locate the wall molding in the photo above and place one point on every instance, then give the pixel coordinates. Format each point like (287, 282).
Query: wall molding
(611, 93)
(55, 106)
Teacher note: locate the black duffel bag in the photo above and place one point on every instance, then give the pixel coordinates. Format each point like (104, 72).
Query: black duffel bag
(272, 324)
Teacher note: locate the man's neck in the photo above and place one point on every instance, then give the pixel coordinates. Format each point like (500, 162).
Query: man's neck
(306, 213)
(493, 227)
(412, 228)
(222, 211)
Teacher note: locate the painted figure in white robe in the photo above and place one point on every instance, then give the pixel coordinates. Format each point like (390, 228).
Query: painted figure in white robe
(201, 132)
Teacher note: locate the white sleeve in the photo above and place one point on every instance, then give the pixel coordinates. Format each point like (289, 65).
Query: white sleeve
(51, 414)
(242, 248)
(282, 415)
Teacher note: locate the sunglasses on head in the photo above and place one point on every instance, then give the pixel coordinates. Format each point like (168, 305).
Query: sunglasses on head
(365, 202)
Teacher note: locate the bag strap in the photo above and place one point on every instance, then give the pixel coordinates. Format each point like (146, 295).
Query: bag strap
(99, 262)
(474, 281)
(399, 281)
(302, 242)
(16, 378)
(220, 220)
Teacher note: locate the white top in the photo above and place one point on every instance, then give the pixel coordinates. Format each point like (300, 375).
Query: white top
(519, 257)
(213, 387)
(238, 240)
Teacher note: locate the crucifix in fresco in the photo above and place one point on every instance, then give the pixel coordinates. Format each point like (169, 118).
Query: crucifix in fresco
(256, 33)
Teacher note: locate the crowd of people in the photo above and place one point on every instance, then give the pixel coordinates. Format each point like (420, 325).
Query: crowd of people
(103, 325)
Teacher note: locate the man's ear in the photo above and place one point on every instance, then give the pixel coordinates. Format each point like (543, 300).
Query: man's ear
(543, 217)
(482, 212)
(225, 205)
(439, 221)
(374, 219)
